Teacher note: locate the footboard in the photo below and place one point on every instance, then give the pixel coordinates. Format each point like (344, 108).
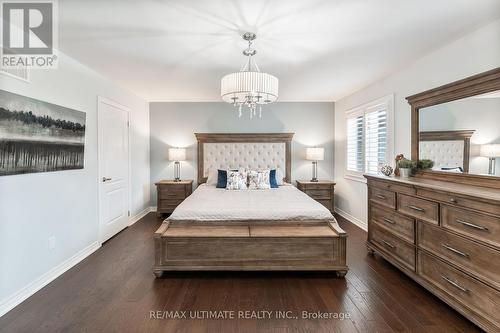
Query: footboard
(316, 246)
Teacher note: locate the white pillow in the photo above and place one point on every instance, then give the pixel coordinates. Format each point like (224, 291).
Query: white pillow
(212, 177)
(279, 177)
(259, 180)
(236, 180)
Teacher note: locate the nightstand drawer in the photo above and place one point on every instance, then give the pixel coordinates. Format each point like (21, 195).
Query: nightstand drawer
(166, 192)
(172, 188)
(169, 202)
(326, 203)
(311, 186)
(319, 194)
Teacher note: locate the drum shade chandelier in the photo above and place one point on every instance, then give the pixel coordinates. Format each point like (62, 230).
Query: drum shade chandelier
(249, 87)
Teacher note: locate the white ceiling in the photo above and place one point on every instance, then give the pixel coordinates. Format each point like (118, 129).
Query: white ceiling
(321, 50)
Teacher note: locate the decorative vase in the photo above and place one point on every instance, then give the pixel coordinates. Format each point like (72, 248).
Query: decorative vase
(386, 169)
(405, 172)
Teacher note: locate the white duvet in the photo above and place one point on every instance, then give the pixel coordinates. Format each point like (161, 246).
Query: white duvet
(208, 203)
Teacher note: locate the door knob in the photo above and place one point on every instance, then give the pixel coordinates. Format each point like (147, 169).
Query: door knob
(104, 179)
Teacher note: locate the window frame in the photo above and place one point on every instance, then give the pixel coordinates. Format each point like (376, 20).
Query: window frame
(386, 102)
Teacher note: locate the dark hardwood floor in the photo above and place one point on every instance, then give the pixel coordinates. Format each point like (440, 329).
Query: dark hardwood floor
(114, 290)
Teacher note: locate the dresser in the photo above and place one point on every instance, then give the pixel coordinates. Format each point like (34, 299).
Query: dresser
(321, 191)
(171, 193)
(444, 235)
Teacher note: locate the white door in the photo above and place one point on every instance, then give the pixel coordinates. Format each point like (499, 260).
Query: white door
(113, 143)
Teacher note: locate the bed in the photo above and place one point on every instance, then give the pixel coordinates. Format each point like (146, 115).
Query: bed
(273, 229)
(450, 150)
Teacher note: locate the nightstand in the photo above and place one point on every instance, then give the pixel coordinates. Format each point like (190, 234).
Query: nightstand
(171, 194)
(321, 191)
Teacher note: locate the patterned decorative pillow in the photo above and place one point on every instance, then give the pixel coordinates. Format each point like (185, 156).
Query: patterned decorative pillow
(259, 180)
(236, 180)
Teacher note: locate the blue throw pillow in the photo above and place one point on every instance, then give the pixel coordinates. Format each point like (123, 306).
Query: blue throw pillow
(221, 178)
(272, 179)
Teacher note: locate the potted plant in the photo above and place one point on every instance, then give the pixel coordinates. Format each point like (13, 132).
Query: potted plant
(425, 164)
(405, 166)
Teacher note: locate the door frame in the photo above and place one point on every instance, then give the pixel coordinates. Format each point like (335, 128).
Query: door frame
(110, 102)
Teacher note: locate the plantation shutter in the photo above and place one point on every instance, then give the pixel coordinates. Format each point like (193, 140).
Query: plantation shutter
(369, 137)
(375, 139)
(355, 161)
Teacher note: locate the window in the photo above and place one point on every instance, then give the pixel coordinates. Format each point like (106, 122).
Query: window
(369, 137)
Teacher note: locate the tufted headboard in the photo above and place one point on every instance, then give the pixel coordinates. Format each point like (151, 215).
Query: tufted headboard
(448, 149)
(248, 150)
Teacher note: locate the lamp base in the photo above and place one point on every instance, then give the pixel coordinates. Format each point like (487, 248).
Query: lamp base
(314, 172)
(177, 171)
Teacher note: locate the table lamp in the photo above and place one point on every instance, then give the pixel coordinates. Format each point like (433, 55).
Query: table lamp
(315, 154)
(177, 155)
(492, 151)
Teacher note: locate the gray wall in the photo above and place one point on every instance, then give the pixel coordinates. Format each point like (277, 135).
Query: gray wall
(173, 124)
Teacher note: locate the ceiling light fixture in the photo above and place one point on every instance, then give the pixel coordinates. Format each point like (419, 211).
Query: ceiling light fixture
(249, 87)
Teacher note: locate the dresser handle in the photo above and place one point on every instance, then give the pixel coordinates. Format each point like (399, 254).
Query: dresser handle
(453, 200)
(472, 225)
(463, 254)
(389, 221)
(388, 244)
(418, 209)
(453, 283)
(380, 196)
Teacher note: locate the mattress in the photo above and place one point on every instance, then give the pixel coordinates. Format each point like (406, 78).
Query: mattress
(286, 203)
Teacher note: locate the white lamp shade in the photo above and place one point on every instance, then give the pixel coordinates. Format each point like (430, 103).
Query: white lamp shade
(235, 87)
(177, 154)
(491, 150)
(315, 154)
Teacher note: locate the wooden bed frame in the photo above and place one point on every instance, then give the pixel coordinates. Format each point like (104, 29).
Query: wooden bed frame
(249, 245)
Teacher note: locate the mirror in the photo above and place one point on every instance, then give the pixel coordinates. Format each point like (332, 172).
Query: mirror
(462, 136)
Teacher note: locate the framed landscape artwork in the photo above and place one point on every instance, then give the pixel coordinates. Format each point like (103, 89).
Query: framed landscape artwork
(36, 136)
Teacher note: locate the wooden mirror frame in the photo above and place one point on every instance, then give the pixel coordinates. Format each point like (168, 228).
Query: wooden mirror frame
(472, 86)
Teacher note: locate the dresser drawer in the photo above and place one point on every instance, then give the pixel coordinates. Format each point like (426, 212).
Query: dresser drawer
(482, 227)
(319, 194)
(479, 260)
(459, 201)
(419, 208)
(392, 187)
(400, 225)
(401, 251)
(464, 289)
(384, 197)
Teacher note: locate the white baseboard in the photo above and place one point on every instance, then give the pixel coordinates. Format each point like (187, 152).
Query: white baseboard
(18, 297)
(352, 219)
(153, 208)
(139, 216)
